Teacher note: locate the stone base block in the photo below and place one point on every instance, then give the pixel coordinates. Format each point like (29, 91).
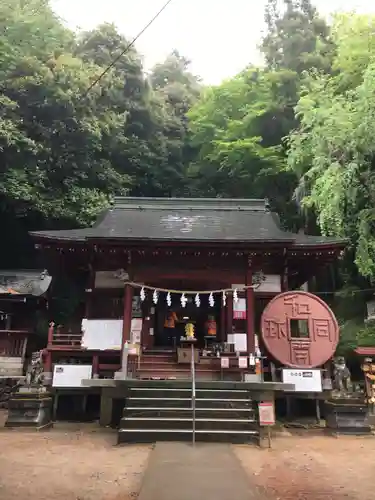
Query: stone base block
(345, 417)
(30, 409)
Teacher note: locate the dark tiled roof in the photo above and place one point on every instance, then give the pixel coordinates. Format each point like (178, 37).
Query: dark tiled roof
(180, 219)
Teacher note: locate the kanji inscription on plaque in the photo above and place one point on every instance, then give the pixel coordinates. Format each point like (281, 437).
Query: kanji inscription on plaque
(305, 349)
(300, 353)
(274, 328)
(296, 306)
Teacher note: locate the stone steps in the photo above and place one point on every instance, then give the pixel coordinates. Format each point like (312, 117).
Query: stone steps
(216, 436)
(164, 412)
(186, 423)
(210, 413)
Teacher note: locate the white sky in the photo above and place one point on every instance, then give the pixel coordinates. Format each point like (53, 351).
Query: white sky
(220, 37)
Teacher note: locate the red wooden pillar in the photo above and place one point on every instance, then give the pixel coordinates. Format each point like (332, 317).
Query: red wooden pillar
(250, 313)
(47, 356)
(47, 361)
(222, 335)
(90, 287)
(95, 366)
(229, 317)
(47, 367)
(284, 280)
(127, 319)
(145, 334)
(51, 331)
(284, 274)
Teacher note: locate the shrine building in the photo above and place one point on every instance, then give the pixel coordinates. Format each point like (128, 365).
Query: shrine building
(149, 267)
(22, 302)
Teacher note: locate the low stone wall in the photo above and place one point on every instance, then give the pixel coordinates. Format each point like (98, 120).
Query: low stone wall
(11, 366)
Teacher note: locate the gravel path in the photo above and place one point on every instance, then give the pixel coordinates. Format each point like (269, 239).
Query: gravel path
(79, 462)
(313, 468)
(70, 463)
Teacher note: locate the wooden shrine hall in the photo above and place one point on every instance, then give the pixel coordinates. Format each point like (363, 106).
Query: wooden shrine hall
(150, 266)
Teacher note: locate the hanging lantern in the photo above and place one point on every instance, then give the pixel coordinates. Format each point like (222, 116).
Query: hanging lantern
(235, 296)
(183, 300)
(169, 299)
(211, 300)
(224, 298)
(197, 300)
(142, 294)
(155, 297)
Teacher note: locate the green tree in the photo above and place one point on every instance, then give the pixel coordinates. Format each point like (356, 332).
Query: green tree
(297, 38)
(333, 149)
(61, 152)
(237, 156)
(176, 90)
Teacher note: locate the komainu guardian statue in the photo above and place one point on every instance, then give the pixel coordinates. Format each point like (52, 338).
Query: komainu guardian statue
(342, 380)
(34, 375)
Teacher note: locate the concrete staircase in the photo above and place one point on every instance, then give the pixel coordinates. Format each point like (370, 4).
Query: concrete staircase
(162, 411)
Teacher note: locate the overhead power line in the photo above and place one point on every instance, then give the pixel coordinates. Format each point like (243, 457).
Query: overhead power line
(127, 48)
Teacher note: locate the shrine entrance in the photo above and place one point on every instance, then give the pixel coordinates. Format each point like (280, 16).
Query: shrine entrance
(170, 321)
(170, 317)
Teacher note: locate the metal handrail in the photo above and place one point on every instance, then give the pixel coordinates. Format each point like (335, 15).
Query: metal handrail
(193, 390)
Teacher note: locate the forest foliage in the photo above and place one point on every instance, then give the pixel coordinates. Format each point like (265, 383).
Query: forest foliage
(299, 130)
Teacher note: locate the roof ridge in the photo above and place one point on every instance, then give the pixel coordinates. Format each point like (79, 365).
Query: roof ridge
(191, 203)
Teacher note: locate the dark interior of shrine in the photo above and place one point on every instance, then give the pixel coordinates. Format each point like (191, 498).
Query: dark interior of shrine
(191, 313)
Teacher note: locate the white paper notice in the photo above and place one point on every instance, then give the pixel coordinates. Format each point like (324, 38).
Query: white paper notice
(224, 362)
(242, 362)
(135, 330)
(102, 334)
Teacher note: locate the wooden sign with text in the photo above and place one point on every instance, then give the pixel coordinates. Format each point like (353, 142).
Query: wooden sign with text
(266, 413)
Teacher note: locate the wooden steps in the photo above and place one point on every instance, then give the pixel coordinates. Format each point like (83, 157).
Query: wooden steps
(162, 365)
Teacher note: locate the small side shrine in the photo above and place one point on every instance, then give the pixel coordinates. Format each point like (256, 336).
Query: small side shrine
(22, 295)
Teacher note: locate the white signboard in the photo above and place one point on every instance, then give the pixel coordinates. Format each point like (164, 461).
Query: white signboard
(135, 330)
(303, 380)
(102, 334)
(70, 375)
(239, 340)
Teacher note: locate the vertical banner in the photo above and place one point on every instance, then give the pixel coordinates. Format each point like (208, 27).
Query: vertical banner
(239, 309)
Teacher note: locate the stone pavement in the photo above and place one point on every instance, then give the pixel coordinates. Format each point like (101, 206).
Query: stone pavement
(179, 471)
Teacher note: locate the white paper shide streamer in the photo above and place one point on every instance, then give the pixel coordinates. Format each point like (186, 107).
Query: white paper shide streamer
(197, 300)
(211, 300)
(169, 299)
(155, 297)
(235, 296)
(224, 298)
(142, 294)
(183, 300)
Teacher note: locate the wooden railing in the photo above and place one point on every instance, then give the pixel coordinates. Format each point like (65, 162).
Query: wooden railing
(59, 337)
(13, 344)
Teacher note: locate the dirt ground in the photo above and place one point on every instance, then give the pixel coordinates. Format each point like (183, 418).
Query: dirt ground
(68, 463)
(80, 462)
(313, 468)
